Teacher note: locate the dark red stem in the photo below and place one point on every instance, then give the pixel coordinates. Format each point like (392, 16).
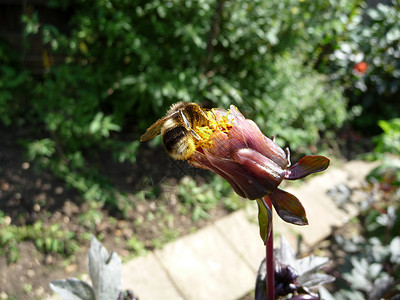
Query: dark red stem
(270, 281)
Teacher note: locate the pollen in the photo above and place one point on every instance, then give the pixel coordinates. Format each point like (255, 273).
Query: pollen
(217, 123)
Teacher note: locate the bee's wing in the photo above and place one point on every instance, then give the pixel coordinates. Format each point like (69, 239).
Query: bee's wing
(152, 131)
(155, 129)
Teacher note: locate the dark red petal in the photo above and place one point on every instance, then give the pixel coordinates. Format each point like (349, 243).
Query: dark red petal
(306, 166)
(288, 207)
(199, 160)
(233, 172)
(223, 146)
(249, 132)
(264, 170)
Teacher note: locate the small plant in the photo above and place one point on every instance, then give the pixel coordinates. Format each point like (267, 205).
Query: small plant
(294, 278)
(371, 266)
(47, 239)
(199, 199)
(387, 150)
(105, 273)
(135, 245)
(388, 142)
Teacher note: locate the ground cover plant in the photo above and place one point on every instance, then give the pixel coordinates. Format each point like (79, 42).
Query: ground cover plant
(371, 268)
(105, 273)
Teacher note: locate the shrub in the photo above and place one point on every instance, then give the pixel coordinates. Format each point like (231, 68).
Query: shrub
(125, 62)
(367, 63)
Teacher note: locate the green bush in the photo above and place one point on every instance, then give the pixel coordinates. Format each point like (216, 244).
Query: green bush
(15, 86)
(387, 150)
(295, 103)
(389, 140)
(125, 62)
(373, 38)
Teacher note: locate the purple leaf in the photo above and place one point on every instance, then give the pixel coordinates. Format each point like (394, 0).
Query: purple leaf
(288, 207)
(306, 166)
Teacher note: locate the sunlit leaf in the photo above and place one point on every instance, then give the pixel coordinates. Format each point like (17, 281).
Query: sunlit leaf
(288, 207)
(306, 166)
(73, 289)
(264, 220)
(105, 271)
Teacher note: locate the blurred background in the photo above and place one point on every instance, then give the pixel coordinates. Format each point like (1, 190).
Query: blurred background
(81, 80)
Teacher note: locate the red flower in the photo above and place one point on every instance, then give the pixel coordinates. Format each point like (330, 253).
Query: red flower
(361, 67)
(236, 149)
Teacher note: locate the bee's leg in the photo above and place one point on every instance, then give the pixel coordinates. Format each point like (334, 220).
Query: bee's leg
(187, 124)
(196, 136)
(212, 111)
(185, 120)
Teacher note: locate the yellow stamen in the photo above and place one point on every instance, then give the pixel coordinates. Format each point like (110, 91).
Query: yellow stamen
(222, 123)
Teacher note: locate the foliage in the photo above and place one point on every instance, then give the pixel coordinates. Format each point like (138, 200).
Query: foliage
(373, 259)
(200, 199)
(264, 67)
(105, 272)
(372, 264)
(47, 239)
(136, 246)
(387, 150)
(389, 140)
(372, 39)
(292, 101)
(13, 84)
(124, 62)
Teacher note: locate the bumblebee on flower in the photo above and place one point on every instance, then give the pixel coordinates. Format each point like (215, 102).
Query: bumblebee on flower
(236, 149)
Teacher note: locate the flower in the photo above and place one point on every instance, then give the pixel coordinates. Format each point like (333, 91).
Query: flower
(254, 165)
(360, 68)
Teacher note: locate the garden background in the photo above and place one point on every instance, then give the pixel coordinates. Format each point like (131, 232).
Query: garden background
(81, 80)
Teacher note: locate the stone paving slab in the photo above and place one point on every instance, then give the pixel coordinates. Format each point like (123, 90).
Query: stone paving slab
(242, 232)
(146, 277)
(205, 266)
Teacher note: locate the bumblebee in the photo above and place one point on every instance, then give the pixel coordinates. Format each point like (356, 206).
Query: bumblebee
(177, 129)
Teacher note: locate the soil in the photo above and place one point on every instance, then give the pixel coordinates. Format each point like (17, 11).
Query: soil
(29, 194)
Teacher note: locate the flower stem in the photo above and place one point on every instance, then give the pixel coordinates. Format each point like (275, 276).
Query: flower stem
(270, 282)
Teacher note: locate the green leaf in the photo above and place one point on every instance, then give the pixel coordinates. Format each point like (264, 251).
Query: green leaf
(264, 220)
